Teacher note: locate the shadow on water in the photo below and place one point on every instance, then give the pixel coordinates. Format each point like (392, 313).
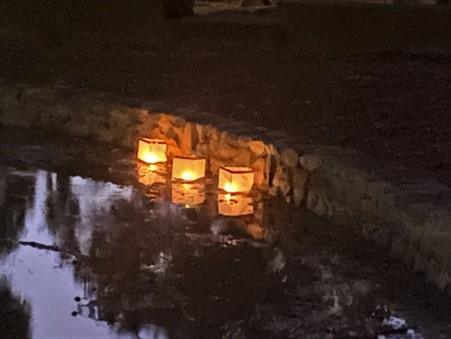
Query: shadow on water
(14, 314)
(89, 259)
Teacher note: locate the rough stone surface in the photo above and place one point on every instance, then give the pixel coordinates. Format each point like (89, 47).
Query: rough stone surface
(290, 158)
(258, 148)
(411, 218)
(282, 180)
(299, 185)
(310, 162)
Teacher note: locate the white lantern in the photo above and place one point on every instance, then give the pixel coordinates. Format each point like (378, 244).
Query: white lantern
(152, 151)
(236, 179)
(188, 168)
(234, 205)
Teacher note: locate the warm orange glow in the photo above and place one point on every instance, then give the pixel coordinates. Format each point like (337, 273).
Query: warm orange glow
(149, 177)
(229, 187)
(150, 158)
(236, 179)
(188, 168)
(189, 195)
(187, 176)
(151, 151)
(236, 205)
(255, 230)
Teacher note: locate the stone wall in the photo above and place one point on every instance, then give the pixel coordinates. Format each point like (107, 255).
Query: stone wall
(410, 217)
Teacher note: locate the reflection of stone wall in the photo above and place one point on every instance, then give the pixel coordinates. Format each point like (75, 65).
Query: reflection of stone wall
(2, 186)
(15, 313)
(220, 148)
(409, 217)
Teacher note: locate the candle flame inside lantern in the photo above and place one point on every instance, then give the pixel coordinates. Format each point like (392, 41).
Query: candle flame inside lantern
(188, 168)
(187, 175)
(236, 179)
(229, 187)
(152, 151)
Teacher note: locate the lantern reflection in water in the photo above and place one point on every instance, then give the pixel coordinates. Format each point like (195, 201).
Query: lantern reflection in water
(149, 175)
(188, 168)
(236, 179)
(188, 194)
(234, 205)
(152, 151)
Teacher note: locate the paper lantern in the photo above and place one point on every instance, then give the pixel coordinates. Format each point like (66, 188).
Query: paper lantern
(152, 151)
(188, 194)
(234, 205)
(188, 168)
(236, 179)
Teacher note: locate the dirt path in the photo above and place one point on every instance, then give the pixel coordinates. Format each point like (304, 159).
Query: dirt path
(394, 106)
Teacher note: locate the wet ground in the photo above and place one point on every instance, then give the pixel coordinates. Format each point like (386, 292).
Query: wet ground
(94, 246)
(393, 105)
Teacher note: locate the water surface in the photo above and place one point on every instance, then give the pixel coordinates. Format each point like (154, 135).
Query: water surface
(85, 258)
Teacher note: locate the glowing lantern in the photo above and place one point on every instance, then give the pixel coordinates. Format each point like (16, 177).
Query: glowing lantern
(152, 151)
(188, 194)
(188, 168)
(234, 205)
(236, 179)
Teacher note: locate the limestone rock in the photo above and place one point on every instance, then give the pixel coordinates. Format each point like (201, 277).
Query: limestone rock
(316, 203)
(299, 185)
(224, 151)
(184, 138)
(257, 148)
(310, 162)
(164, 123)
(274, 152)
(200, 133)
(290, 158)
(281, 180)
(273, 191)
(214, 166)
(243, 158)
(259, 167)
(202, 149)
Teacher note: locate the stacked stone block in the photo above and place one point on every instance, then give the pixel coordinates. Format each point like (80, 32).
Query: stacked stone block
(410, 217)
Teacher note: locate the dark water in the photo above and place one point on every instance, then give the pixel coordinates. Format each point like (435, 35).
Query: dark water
(85, 258)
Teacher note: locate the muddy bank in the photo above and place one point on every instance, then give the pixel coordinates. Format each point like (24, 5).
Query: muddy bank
(405, 215)
(116, 261)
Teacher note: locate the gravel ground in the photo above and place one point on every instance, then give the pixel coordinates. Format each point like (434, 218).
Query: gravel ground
(394, 106)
